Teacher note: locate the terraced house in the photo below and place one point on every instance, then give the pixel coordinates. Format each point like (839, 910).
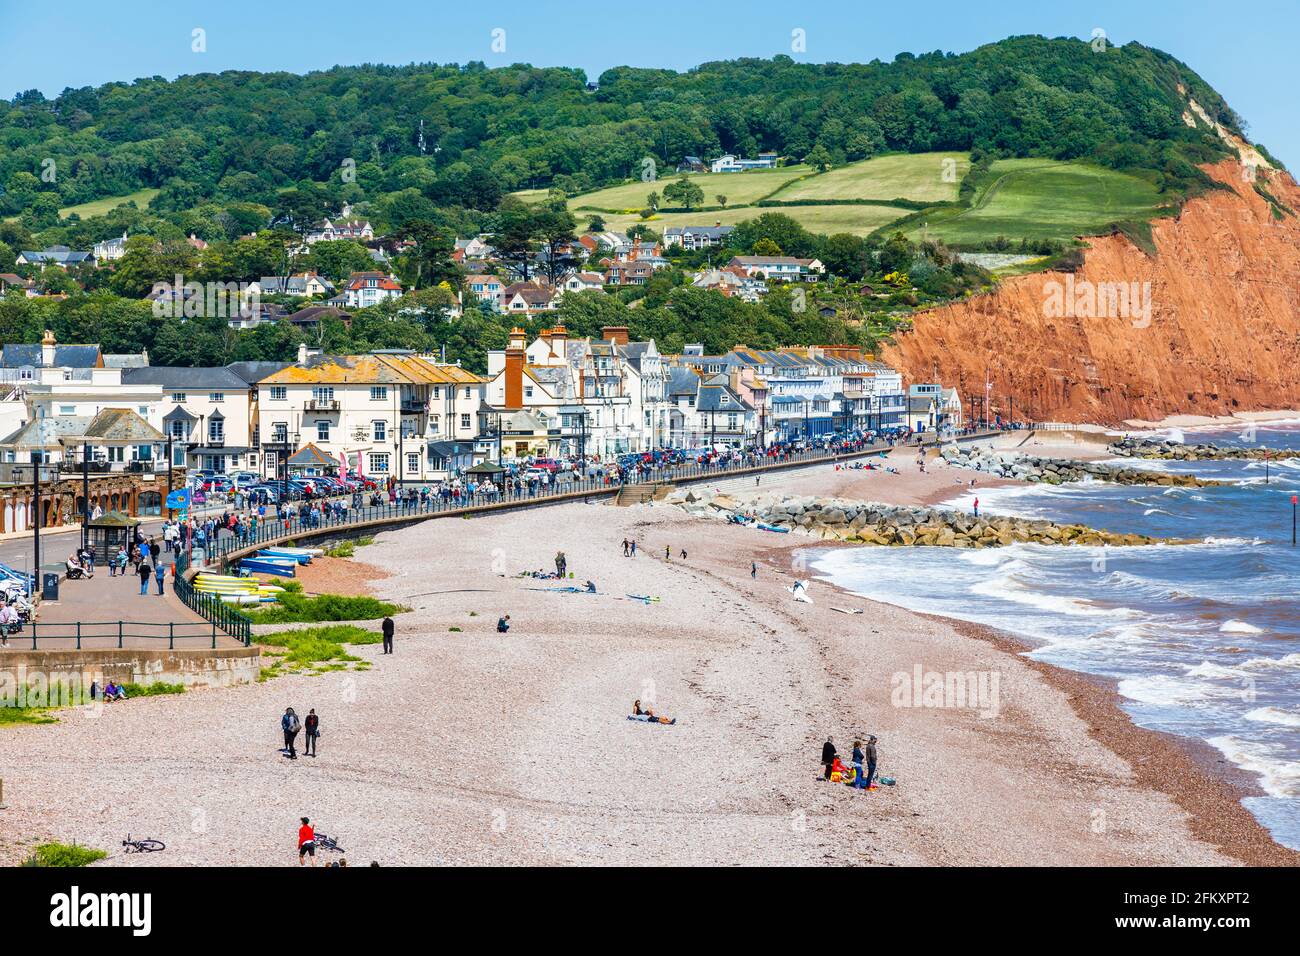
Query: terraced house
(384, 414)
(602, 396)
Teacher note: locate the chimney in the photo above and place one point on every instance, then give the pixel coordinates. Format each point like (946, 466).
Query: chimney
(615, 333)
(559, 340)
(47, 348)
(717, 224)
(515, 369)
(302, 353)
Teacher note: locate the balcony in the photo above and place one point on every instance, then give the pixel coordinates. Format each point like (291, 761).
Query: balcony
(411, 406)
(321, 405)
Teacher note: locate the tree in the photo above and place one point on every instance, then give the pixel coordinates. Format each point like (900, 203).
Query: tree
(722, 200)
(766, 247)
(846, 255)
(819, 158)
(652, 201)
(515, 234)
(555, 227)
(684, 193)
(429, 260)
(337, 259)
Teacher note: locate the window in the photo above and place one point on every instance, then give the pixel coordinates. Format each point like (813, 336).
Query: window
(216, 397)
(464, 420)
(143, 410)
(279, 393)
(437, 391)
(280, 432)
(177, 429)
(412, 464)
(435, 424)
(178, 397)
(143, 453)
(466, 393)
(322, 393)
(216, 429)
(528, 391)
(67, 409)
(379, 393)
(380, 429)
(731, 422)
(322, 431)
(379, 463)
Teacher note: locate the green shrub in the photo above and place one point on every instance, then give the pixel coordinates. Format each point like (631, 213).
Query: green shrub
(152, 690)
(295, 606)
(60, 854)
(320, 648)
(25, 715)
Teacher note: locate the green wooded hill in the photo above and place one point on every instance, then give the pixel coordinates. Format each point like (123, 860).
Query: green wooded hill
(353, 133)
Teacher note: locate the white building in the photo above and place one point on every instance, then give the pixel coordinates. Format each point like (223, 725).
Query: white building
(379, 412)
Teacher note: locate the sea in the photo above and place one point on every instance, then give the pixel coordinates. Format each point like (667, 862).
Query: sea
(1202, 639)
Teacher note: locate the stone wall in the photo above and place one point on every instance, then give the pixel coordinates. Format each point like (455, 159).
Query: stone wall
(222, 667)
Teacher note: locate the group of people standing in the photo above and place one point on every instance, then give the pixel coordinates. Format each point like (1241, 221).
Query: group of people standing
(863, 761)
(291, 726)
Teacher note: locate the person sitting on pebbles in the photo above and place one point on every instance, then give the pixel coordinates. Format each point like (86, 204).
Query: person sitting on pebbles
(649, 715)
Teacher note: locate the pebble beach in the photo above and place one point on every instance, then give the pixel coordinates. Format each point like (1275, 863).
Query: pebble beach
(471, 747)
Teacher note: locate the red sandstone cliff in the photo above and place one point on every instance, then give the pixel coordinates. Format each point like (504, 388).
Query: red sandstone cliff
(1223, 333)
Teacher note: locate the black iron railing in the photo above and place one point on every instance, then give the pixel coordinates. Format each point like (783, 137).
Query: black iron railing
(81, 635)
(214, 610)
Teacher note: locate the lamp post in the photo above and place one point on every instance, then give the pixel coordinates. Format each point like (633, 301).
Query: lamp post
(169, 470)
(85, 495)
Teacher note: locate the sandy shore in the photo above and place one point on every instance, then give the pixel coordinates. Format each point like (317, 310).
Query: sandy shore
(1201, 421)
(471, 747)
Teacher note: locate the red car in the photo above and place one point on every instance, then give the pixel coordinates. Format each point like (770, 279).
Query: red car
(549, 464)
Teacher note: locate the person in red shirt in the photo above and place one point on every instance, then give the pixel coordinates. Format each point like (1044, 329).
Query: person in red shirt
(306, 842)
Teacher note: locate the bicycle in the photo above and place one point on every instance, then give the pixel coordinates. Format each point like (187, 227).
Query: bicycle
(324, 842)
(143, 846)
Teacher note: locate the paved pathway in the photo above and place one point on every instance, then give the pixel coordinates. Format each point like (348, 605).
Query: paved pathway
(149, 621)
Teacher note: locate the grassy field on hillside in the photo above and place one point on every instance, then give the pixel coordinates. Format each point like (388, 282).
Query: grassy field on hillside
(98, 207)
(1042, 199)
(739, 188)
(924, 177)
(859, 220)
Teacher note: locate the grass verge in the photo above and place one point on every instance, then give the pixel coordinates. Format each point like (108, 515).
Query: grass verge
(61, 854)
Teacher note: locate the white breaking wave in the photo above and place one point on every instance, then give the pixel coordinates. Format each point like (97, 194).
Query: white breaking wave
(1278, 777)
(1275, 715)
(1239, 627)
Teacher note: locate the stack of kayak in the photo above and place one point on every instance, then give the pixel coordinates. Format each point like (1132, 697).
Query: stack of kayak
(278, 561)
(235, 590)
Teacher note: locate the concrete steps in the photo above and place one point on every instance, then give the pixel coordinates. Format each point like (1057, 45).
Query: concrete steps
(638, 494)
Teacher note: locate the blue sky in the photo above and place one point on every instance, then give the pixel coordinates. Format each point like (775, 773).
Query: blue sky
(1246, 53)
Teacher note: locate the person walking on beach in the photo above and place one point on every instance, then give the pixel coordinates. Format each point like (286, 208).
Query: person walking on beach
(159, 573)
(753, 569)
(869, 753)
(306, 842)
(977, 507)
(828, 756)
(634, 547)
(290, 724)
(389, 627)
(683, 554)
(668, 552)
(625, 552)
(142, 569)
(311, 730)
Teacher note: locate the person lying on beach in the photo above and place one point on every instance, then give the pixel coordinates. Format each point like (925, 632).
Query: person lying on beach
(648, 714)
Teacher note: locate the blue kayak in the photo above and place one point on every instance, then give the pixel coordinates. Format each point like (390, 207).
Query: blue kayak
(772, 527)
